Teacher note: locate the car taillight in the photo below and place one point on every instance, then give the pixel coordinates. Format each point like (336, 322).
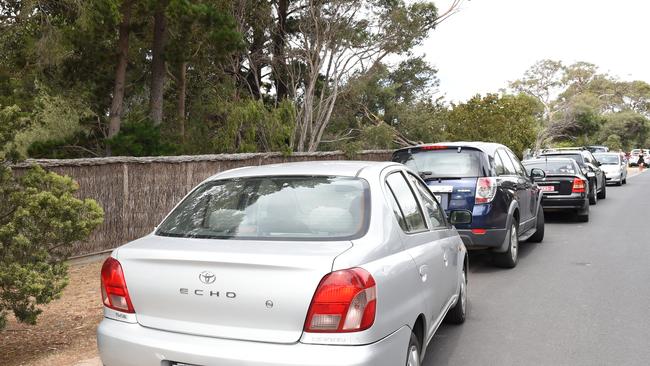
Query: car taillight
(578, 186)
(486, 189)
(114, 292)
(345, 301)
(433, 147)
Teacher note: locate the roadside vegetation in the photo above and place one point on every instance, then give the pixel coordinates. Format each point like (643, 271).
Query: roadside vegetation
(138, 77)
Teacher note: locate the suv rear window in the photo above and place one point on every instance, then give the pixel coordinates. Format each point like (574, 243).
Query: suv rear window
(448, 163)
(307, 208)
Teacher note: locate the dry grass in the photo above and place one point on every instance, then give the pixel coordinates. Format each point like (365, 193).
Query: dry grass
(65, 333)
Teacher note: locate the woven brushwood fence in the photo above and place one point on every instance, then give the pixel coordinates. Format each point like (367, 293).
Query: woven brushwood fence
(136, 193)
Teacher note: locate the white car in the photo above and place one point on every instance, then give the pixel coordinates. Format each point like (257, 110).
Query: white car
(315, 263)
(614, 167)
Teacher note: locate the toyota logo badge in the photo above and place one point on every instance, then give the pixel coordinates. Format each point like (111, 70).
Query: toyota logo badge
(207, 277)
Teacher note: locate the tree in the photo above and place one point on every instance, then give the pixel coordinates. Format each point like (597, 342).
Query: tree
(158, 62)
(340, 39)
(40, 219)
(115, 116)
(511, 120)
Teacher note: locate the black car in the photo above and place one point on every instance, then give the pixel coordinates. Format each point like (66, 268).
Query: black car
(488, 180)
(590, 168)
(565, 187)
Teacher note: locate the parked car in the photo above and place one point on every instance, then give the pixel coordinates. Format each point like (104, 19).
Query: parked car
(488, 180)
(597, 149)
(565, 187)
(614, 167)
(590, 168)
(633, 161)
(315, 263)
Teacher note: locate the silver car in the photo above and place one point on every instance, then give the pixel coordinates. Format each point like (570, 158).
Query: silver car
(315, 263)
(614, 166)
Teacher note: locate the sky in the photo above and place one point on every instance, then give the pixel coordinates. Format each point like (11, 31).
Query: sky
(491, 42)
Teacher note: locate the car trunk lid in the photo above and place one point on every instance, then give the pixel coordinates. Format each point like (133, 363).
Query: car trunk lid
(237, 289)
(554, 185)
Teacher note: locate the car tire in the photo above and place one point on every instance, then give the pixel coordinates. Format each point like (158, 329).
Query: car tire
(625, 180)
(603, 193)
(583, 216)
(593, 197)
(511, 256)
(413, 351)
(458, 313)
(538, 237)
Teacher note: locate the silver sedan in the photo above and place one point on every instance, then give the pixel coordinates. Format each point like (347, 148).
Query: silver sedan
(315, 263)
(614, 166)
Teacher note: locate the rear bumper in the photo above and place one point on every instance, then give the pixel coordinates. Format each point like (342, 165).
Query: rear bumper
(493, 238)
(125, 344)
(564, 203)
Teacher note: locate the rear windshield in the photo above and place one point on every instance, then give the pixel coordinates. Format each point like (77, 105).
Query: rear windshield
(607, 159)
(309, 208)
(553, 167)
(442, 163)
(577, 157)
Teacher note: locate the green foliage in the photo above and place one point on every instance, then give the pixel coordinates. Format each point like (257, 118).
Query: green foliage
(508, 119)
(40, 219)
(12, 121)
(632, 128)
(140, 138)
(614, 142)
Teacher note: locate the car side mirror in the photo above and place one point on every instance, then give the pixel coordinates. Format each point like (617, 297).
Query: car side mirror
(462, 217)
(537, 173)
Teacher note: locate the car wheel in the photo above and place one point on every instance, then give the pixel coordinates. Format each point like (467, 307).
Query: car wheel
(603, 194)
(457, 314)
(510, 257)
(593, 197)
(413, 351)
(625, 180)
(539, 232)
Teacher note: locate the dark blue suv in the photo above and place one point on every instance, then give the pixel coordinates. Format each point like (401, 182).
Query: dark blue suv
(488, 180)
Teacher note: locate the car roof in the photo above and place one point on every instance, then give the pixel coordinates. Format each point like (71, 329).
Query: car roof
(487, 147)
(551, 160)
(306, 168)
(563, 152)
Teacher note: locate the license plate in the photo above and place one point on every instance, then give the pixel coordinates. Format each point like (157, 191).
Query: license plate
(547, 188)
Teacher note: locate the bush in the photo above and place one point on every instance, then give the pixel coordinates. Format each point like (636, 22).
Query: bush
(40, 219)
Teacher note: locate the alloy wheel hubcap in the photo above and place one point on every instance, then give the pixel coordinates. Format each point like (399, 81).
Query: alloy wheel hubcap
(514, 242)
(414, 357)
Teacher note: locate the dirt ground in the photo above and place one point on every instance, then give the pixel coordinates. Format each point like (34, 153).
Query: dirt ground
(65, 333)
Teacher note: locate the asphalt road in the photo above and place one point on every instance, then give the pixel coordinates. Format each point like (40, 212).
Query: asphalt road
(582, 297)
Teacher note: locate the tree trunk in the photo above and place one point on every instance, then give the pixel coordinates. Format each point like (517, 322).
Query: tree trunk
(182, 91)
(158, 64)
(279, 66)
(115, 116)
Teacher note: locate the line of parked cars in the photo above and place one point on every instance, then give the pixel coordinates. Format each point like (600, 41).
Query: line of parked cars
(330, 263)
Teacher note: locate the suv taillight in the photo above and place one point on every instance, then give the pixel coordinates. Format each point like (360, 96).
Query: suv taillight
(345, 301)
(114, 292)
(486, 189)
(578, 186)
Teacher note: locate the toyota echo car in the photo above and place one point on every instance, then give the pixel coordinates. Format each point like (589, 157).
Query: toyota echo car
(488, 180)
(315, 263)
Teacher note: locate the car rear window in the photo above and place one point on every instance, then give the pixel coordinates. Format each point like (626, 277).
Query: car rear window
(577, 157)
(447, 163)
(608, 159)
(300, 208)
(553, 167)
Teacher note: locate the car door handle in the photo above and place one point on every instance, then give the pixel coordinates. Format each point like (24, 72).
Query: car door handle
(445, 259)
(424, 272)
